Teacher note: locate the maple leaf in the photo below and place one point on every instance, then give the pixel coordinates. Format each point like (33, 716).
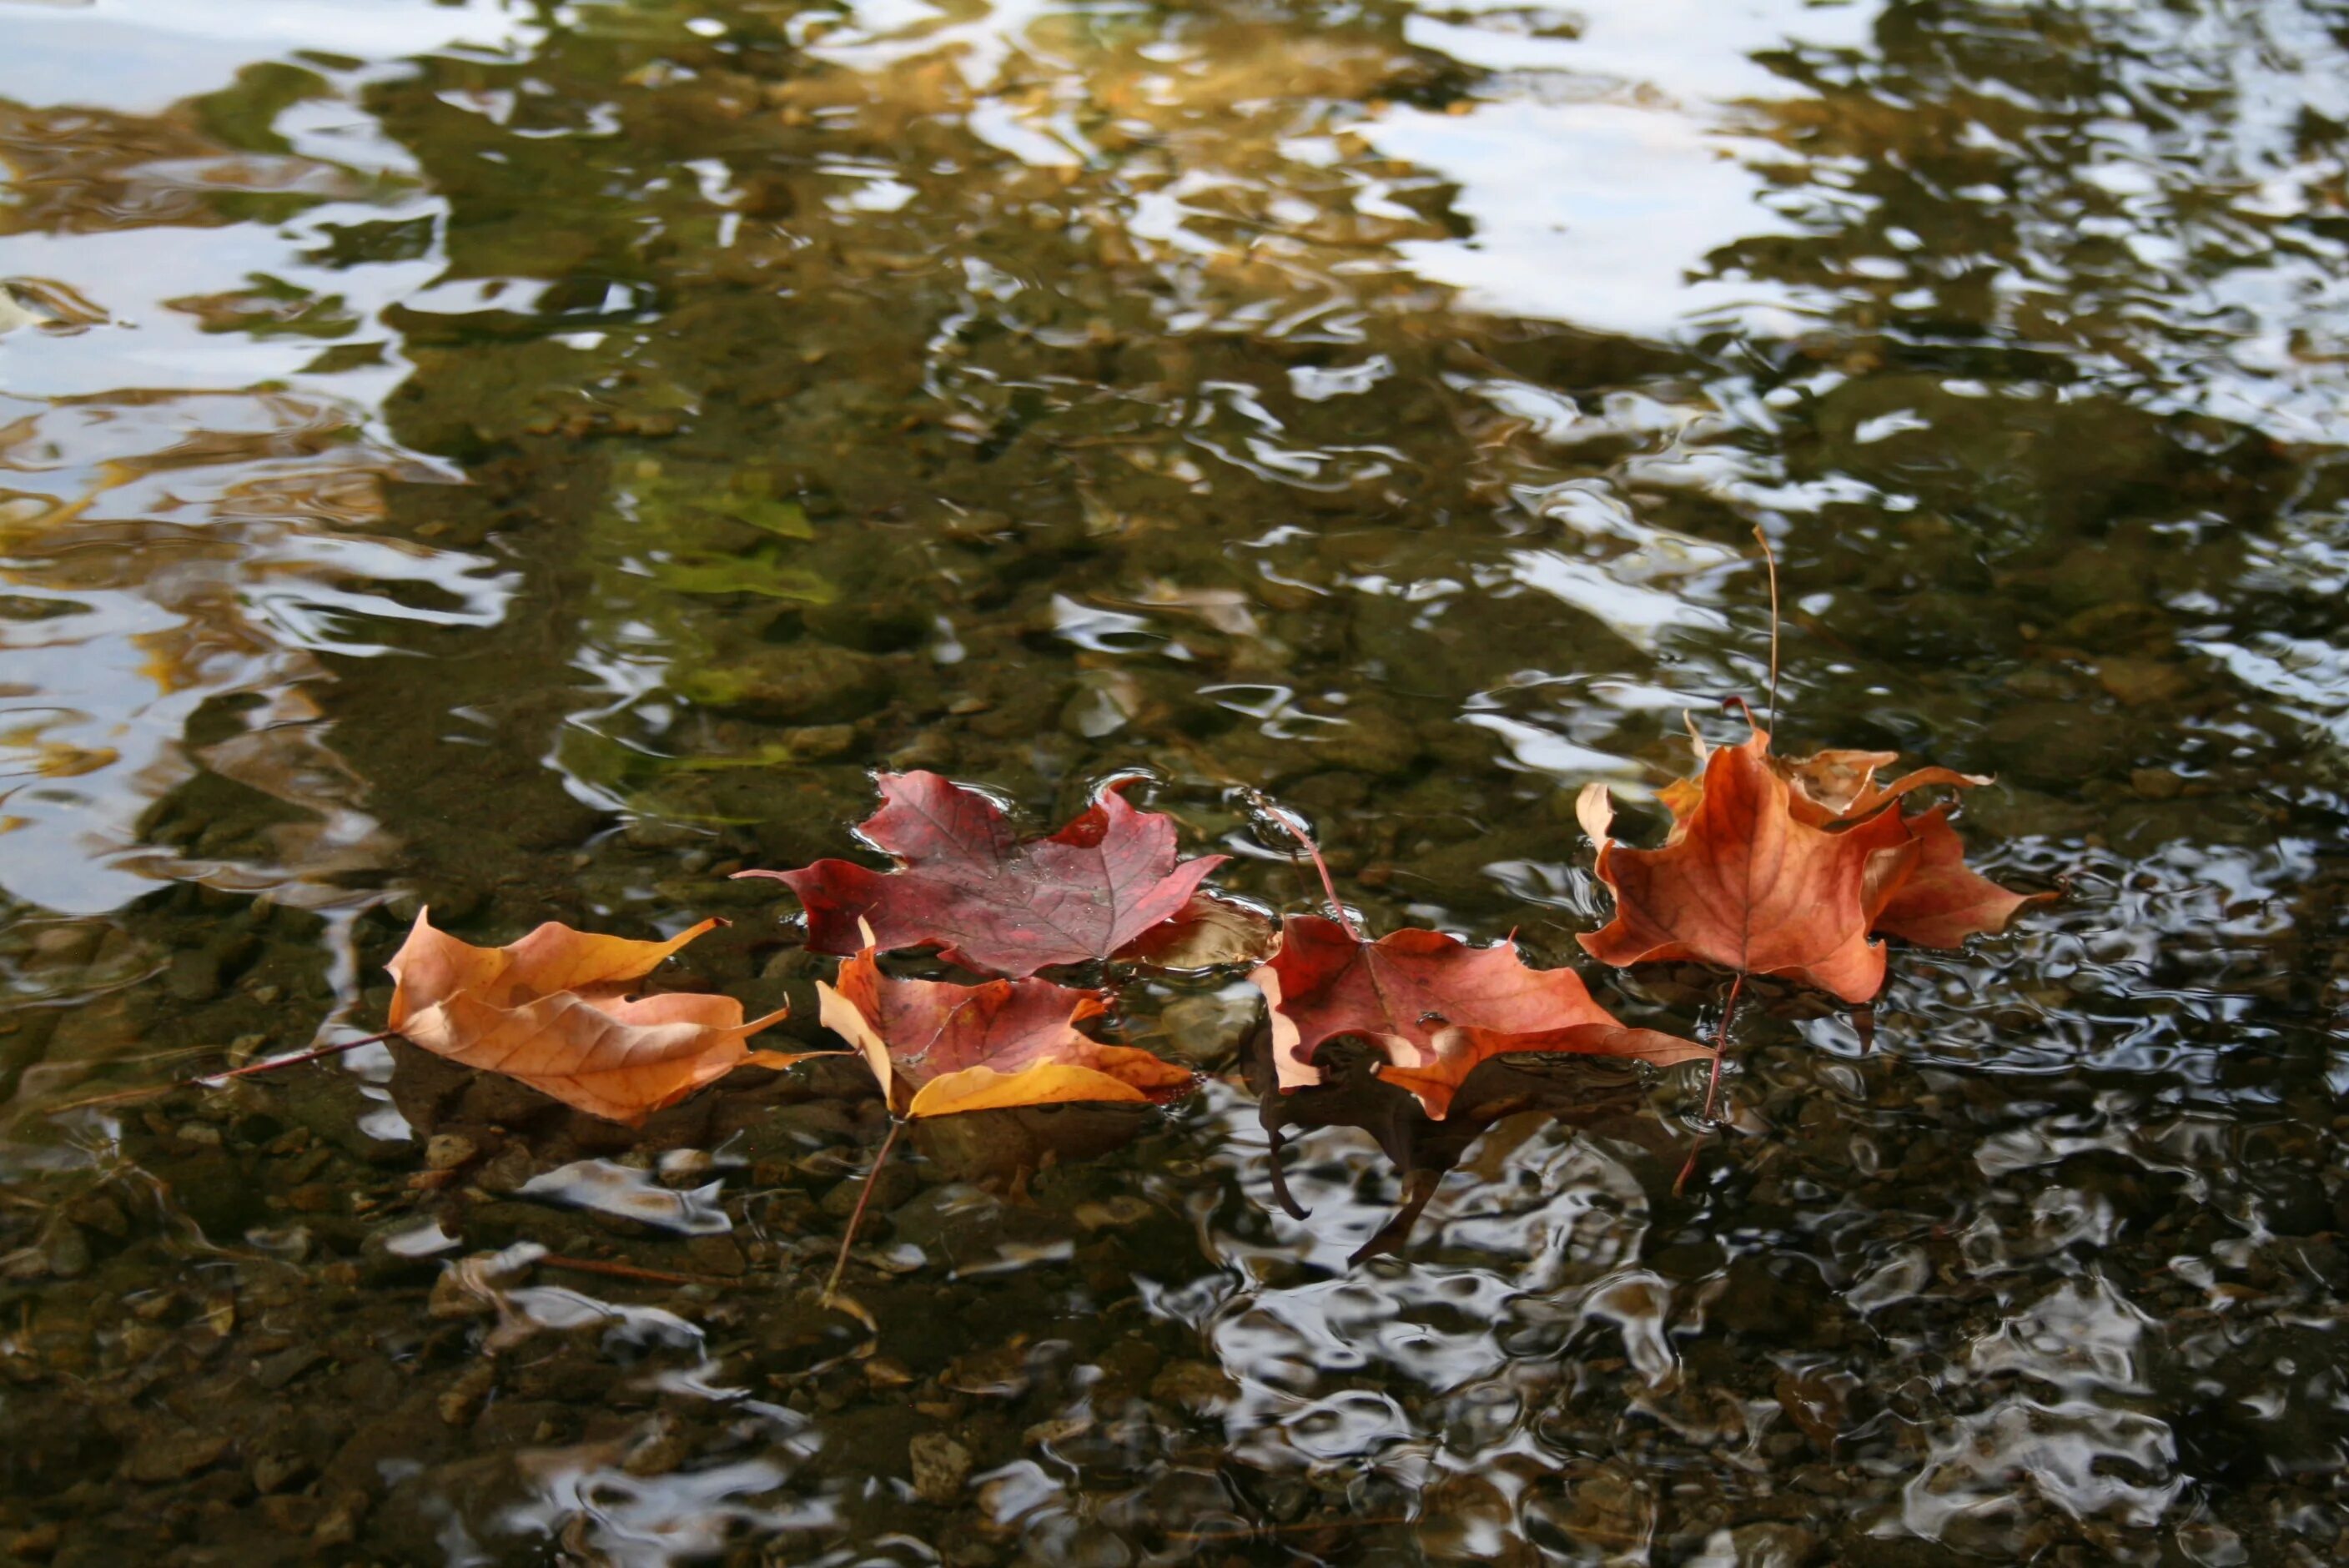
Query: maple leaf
(989, 903)
(1746, 884)
(1824, 788)
(1938, 902)
(1942, 902)
(1841, 786)
(1434, 1005)
(940, 1049)
(550, 1011)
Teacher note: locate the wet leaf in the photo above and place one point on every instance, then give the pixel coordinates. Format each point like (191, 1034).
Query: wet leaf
(1791, 872)
(1434, 1005)
(987, 900)
(1746, 884)
(549, 1011)
(1828, 786)
(1841, 786)
(939, 1049)
(1942, 902)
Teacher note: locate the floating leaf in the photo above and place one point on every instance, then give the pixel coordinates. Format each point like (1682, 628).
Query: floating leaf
(940, 1049)
(1841, 786)
(987, 900)
(1930, 898)
(1745, 884)
(1434, 1005)
(1942, 902)
(548, 1011)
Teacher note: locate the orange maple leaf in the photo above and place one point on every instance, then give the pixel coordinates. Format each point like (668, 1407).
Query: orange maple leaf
(1939, 902)
(939, 1049)
(550, 1011)
(1942, 902)
(1746, 884)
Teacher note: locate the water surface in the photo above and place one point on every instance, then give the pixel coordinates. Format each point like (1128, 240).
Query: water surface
(534, 460)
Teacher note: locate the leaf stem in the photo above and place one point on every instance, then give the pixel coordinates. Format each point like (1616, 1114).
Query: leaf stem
(856, 1216)
(1713, 1084)
(1296, 825)
(274, 1062)
(1770, 562)
(206, 1080)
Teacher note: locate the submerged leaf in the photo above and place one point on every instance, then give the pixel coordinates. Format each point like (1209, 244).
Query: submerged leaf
(1434, 1005)
(987, 900)
(747, 575)
(548, 1011)
(938, 1050)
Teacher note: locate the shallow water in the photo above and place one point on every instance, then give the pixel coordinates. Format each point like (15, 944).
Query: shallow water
(532, 460)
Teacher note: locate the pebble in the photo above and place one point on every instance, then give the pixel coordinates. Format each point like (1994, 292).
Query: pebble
(821, 742)
(274, 1372)
(447, 1151)
(807, 683)
(169, 1455)
(67, 1250)
(1206, 1030)
(941, 1467)
(463, 1400)
(1194, 1386)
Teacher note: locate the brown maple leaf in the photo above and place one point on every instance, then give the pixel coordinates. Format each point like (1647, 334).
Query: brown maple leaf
(1826, 786)
(550, 1011)
(940, 1049)
(1434, 1005)
(1841, 786)
(1746, 884)
(989, 903)
(1942, 902)
(1938, 903)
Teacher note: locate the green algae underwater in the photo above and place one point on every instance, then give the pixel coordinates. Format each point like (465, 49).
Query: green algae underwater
(536, 460)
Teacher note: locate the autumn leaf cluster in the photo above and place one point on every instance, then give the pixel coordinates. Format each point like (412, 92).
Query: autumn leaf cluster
(1790, 868)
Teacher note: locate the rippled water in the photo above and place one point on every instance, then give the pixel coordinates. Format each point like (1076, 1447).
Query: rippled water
(533, 459)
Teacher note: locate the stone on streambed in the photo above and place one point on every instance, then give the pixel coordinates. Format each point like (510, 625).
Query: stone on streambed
(803, 683)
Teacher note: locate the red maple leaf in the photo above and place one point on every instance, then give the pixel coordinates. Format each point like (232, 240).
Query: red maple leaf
(1745, 884)
(987, 900)
(1434, 1005)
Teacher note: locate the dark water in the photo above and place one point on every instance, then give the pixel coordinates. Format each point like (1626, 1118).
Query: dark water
(533, 459)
